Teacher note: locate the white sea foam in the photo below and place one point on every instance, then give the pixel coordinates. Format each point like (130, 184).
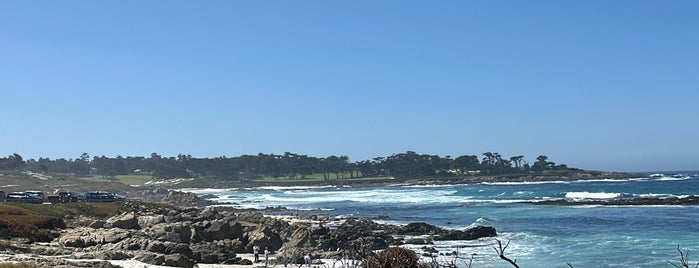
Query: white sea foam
(674, 178)
(207, 190)
(525, 182)
(432, 186)
(497, 201)
(284, 188)
(300, 197)
(651, 195)
(614, 180)
(589, 195)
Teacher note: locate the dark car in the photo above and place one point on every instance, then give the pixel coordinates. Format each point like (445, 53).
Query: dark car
(23, 197)
(36, 194)
(66, 197)
(100, 196)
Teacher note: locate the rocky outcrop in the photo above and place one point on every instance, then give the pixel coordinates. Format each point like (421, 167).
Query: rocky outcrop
(468, 234)
(419, 228)
(182, 237)
(691, 200)
(178, 198)
(123, 221)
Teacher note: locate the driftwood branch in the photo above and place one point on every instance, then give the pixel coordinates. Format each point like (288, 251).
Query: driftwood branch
(501, 252)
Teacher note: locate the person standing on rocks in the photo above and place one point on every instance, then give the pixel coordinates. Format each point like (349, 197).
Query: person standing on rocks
(266, 256)
(307, 259)
(256, 252)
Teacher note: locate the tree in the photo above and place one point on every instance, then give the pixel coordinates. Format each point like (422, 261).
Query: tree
(81, 166)
(465, 163)
(542, 163)
(518, 161)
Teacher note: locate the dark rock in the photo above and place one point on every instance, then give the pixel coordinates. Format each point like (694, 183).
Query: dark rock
(418, 241)
(157, 247)
(4, 229)
(178, 260)
(112, 255)
(150, 258)
(264, 236)
(96, 224)
(419, 228)
(468, 234)
(691, 200)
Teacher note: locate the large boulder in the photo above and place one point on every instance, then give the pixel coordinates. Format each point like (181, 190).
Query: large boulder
(174, 260)
(87, 237)
(264, 236)
(301, 238)
(419, 228)
(367, 232)
(216, 252)
(178, 260)
(127, 220)
(219, 230)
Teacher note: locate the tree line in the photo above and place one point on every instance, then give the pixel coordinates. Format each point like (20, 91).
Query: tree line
(408, 165)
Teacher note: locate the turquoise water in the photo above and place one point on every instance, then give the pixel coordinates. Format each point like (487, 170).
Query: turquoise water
(540, 235)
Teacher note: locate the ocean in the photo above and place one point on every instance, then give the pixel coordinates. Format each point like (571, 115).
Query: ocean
(539, 235)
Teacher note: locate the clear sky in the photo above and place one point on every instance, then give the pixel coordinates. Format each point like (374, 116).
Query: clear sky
(609, 85)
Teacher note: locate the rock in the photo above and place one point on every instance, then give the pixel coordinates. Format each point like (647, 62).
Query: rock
(219, 230)
(419, 228)
(96, 224)
(419, 241)
(468, 234)
(301, 239)
(178, 260)
(242, 262)
(264, 236)
(124, 221)
(150, 258)
(4, 229)
(87, 237)
(150, 220)
(157, 247)
(112, 255)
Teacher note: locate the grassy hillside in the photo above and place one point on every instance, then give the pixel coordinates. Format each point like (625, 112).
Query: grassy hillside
(11, 181)
(39, 222)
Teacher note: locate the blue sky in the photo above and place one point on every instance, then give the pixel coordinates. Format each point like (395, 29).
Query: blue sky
(609, 85)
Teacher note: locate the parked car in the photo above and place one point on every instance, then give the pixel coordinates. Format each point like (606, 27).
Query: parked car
(66, 197)
(36, 194)
(24, 197)
(101, 196)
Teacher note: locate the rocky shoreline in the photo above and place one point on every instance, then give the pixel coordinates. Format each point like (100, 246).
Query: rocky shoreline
(186, 236)
(189, 231)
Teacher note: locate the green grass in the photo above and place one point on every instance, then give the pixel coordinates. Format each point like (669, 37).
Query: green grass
(126, 179)
(135, 179)
(39, 221)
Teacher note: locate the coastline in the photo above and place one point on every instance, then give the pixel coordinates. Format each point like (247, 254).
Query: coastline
(473, 179)
(122, 238)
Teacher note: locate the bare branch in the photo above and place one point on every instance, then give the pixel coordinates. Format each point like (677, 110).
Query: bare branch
(501, 252)
(684, 259)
